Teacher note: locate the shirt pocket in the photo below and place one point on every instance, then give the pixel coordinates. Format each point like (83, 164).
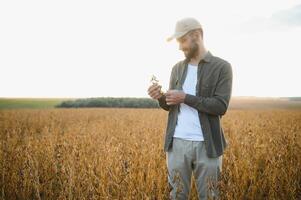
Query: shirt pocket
(206, 90)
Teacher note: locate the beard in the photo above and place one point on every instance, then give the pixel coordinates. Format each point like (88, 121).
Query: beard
(192, 51)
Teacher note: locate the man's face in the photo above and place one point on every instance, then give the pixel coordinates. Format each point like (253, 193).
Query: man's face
(188, 44)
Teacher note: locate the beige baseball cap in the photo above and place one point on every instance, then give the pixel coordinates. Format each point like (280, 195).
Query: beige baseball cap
(183, 26)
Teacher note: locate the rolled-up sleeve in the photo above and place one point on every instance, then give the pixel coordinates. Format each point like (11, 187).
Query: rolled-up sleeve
(162, 100)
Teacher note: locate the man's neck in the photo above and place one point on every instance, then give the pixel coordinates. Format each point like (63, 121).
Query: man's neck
(201, 54)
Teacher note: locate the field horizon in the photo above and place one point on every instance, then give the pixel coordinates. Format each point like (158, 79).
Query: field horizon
(237, 102)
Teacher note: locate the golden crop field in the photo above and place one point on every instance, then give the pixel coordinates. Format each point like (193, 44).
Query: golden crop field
(109, 153)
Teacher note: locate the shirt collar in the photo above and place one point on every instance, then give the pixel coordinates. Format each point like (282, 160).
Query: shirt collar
(207, 57)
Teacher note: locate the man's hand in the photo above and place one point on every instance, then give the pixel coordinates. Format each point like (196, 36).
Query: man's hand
(174, 97)
(154, 91)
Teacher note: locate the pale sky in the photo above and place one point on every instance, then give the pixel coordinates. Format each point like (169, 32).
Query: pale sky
(111, 48)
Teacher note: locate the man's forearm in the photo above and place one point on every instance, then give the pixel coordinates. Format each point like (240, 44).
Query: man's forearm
(218, 103)
(162, 103)
(211, 105)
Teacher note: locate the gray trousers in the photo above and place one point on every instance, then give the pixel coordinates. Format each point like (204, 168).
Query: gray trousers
(187, 157)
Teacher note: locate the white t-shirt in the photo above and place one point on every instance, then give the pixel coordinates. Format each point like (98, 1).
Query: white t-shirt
(188, 126)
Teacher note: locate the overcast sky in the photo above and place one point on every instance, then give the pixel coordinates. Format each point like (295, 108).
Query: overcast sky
(111, 48)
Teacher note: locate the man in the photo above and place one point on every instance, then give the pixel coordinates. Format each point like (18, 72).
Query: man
(199, 93)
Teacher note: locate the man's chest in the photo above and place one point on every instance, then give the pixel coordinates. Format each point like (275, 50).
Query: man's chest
(201, 81)
(190, 81)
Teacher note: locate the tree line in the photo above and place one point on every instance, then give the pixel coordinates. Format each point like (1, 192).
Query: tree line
(123, 102)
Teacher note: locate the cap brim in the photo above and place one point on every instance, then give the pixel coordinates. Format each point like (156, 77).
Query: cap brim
(169, 38)
(175, 36)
